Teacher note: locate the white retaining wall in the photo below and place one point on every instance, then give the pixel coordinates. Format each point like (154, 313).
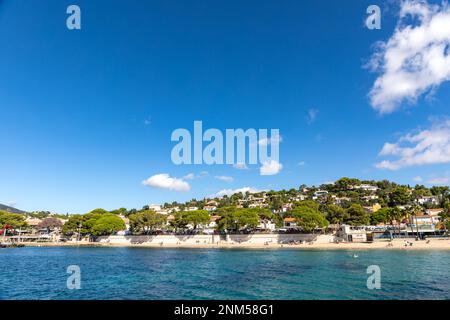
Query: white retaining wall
(259, 239)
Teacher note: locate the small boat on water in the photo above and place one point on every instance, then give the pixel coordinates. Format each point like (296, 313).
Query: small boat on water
(11, 245)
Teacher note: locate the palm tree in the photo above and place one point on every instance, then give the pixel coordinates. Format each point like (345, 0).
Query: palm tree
(395, 214)
(411, 212)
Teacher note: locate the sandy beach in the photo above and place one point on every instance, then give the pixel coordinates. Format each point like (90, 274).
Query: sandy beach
(397, 244)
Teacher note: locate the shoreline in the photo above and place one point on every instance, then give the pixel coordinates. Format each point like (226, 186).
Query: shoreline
(397, 244)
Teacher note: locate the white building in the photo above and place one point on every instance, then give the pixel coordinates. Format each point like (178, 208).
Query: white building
(428, 200)
(286, 207)
(340, 200)
(210, 208)
(366, 187)
(319, 194)
(352, 234)
(299, 197)
(434, 212)
(155, 207)
(369, 198)
(266, 225)
(164, 211)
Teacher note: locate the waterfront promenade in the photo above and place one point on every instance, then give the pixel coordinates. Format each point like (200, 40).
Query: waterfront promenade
(252, 242)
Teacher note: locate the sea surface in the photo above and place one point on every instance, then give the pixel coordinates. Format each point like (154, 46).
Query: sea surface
(144, 273)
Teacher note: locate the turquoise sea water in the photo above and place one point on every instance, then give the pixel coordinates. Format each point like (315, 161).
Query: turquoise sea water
(135, 273)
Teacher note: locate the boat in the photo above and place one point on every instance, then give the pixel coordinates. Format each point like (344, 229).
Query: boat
(11, 245)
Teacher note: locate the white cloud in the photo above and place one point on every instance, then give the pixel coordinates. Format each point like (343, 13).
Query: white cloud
(416, 59)
(430, 146)
(229, 192)
(164, 181)
(224, 178)
(418, 179)
(302, 163)
(312, 115)
(240, 166)
(270, 168)
(436, 181)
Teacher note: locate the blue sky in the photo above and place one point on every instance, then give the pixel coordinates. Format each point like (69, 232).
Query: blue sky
(87, 114)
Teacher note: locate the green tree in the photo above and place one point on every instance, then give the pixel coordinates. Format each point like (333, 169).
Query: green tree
(262, 213)
(346, 183)
(236, 219)
(196, 218)
(74, 224)
(309, 219)
(396, 214)
(89, 219)
(335, 214)
(399, 196)
(410, 213)
(248, 218)
(147, 221)
(381, 216)
(108, 224)
(306, 204)
(15, 220)
(99, 211)
(178, 222)
(440, 191)
(420, 191)
(120, 211)
(276, 203)
(447, 225)
(357, 216)
(445, 214)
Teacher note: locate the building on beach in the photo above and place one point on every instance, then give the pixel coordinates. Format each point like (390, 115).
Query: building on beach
(353, 234)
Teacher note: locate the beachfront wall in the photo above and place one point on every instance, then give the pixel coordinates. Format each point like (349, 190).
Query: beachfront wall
(251, 239)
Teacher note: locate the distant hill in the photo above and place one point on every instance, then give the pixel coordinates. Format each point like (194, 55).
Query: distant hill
(10, 209)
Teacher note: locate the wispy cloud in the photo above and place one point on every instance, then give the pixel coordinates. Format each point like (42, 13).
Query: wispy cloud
(229, 192)
(225, 178)
(416, 59)
(311, 116)
(203, 174)
(148, 121)
(192, 176)
(268, 141)
(302, 163)
(439, 181)
(189, 176)
(164, 181)
(430, 146)
(418, 179)
(240, 166)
